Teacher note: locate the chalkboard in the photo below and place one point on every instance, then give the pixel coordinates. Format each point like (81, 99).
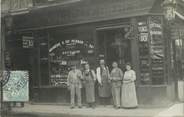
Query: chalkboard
(156, 49)
(144, 54)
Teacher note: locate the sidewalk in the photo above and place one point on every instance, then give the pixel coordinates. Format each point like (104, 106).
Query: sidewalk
(176, 110)
(100, 111)
(65, 111)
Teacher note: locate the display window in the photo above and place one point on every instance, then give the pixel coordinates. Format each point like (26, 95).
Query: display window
(65, 51)
(151, 51)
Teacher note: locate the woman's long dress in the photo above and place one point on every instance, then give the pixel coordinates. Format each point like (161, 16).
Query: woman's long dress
(128, 94)
(104, 90)
(89, 77)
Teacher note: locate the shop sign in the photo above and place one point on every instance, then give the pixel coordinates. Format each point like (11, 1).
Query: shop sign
(55, 46)
(143, 37)
(169, 13)
(143, 29)
(155, 25)
(71, 52)
(156, 32)
(156, 49)
(16, 89)
(27, 42)
(70, 44)
(141, 23)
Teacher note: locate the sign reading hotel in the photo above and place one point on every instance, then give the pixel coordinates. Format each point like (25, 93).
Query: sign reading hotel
(16, 89)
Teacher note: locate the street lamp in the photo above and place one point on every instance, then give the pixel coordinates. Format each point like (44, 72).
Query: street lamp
(169, 7)
(169, 10)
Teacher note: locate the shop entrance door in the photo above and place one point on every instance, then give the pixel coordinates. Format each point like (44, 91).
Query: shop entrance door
(113, 46)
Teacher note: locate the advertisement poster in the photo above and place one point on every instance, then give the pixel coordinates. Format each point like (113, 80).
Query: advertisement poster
(17, 87)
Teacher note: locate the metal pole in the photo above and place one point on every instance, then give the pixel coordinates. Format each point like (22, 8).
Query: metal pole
(1, 70)
(2, 99)
(2, 47)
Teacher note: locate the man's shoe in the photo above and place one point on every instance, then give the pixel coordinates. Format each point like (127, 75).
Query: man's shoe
(118, 107)
(93, 107)
(79, 106)
(72, 107)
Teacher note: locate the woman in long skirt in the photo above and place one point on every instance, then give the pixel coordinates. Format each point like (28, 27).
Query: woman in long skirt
(128, 94)
(103, 77)
(89, 79)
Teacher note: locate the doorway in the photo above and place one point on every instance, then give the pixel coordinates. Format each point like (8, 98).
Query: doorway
(113, 46)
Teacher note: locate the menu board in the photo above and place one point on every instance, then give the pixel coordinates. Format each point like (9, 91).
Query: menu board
(156, 49)
(144, 51)
(65, 53)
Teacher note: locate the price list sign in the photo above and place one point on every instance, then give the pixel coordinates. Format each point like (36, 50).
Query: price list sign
(144, 51)
(156, 49)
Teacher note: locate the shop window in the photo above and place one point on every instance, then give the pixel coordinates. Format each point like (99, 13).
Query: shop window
(70, 49)
(151, 51)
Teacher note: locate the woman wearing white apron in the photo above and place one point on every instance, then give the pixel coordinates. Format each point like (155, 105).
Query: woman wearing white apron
(128, 94)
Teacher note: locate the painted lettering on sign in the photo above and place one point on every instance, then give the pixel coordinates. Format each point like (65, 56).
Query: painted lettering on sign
(27, 42)
(55, 46)
(144, 37)
(143, 28)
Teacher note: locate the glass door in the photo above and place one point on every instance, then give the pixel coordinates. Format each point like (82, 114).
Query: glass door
(113, 46)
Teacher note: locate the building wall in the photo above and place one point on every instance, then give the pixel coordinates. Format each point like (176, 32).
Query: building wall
(160, 91)
(7, 5)
(151, 91)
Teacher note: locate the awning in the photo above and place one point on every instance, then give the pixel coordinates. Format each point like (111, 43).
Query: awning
(86, 11)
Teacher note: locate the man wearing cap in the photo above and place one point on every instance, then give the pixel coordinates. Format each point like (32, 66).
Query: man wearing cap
(75, 85)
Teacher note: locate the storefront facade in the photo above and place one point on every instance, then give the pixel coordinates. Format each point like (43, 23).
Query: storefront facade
(123, 31)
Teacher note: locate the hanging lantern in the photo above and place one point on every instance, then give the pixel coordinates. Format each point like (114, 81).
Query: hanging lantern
(169, 7)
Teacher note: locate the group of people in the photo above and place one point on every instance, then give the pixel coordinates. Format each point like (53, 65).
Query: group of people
(116, 83)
